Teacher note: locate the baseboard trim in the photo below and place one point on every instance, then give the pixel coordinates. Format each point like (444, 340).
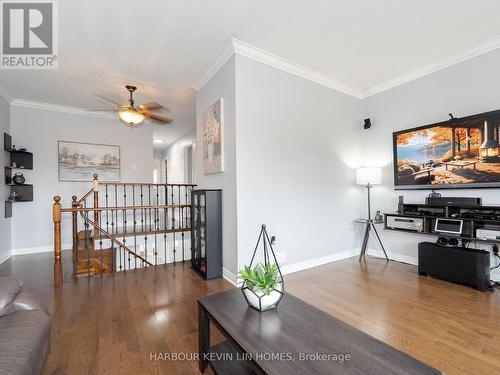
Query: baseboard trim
(299, 266)
(37, 249)
(229, 276)
(6, 257)
(315, 262)
(393, 256)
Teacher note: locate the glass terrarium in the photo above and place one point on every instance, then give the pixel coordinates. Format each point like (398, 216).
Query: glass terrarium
(263, 283)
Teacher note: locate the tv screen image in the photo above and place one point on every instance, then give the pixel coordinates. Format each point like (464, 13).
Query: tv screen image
(457, 153)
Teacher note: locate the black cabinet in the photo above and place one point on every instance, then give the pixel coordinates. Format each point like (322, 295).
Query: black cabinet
(206, 233)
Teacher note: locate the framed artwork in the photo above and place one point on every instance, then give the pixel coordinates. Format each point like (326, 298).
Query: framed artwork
(213, 138)
(79, 161)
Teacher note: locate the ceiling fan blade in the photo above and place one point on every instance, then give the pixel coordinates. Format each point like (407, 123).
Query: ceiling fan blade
(108, 100)
(158, 118)
(151, 105)
(100, 110)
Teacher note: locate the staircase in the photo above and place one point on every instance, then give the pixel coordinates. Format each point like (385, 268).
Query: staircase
(92, 260)
(119, 227)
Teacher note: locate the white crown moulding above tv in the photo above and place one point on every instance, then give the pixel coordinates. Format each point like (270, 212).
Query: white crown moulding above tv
(238, 47)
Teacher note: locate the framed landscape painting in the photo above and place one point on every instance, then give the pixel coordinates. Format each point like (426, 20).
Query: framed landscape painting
(213, 138)
(79, 161)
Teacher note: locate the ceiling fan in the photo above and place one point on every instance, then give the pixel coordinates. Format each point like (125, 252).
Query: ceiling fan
(133, 115)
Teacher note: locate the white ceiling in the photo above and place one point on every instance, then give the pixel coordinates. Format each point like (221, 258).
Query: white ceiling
(163, 46)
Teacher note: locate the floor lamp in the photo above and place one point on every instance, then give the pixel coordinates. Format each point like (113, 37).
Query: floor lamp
(367, 177)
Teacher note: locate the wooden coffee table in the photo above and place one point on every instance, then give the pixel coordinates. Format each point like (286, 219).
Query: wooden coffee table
(296, 338)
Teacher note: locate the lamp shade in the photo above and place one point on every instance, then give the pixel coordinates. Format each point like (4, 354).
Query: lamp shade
(131, 116)
(369, 175)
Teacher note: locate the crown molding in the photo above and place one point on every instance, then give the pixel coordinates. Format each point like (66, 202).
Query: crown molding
(257, 54)
(237, 47)
(59, 108)
(455, 59)
(218, 62)
(4, 94)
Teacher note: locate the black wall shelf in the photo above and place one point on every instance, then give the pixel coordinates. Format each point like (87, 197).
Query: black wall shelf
(18, 161)
(21, 159)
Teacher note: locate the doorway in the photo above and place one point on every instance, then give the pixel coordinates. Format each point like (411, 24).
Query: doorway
(188, 164)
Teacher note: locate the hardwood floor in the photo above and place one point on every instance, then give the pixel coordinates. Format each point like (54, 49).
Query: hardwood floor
(451, 327)
(111, 324)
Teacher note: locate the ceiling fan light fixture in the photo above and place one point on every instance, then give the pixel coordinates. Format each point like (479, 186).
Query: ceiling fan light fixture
(134, 116)
(131, 116)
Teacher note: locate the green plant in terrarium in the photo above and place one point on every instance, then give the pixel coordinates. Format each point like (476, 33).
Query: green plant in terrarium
(262, 278)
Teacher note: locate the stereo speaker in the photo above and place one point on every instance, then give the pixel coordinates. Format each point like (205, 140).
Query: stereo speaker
(455, 264)
(368, 123)
(454, 201)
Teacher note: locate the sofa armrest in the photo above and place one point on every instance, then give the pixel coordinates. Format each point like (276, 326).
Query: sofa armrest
(10, 287)
(26, 301)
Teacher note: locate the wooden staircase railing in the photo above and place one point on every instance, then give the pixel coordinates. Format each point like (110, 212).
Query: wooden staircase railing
(125, 226)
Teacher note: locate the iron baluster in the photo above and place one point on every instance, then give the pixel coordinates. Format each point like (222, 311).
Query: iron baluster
(125, 210)
(149, 209)
(107, 213)
(135, 226)
(173, 221)
(124, 228)
(165, 232)
(120, 257)
(146, 246)
(113, 219)
(100, 245)
(181, 225)
(87, 242)
(142, 210)
(116, 211)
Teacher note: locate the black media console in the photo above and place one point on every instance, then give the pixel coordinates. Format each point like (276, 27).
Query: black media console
(421, 218)
(454, 257)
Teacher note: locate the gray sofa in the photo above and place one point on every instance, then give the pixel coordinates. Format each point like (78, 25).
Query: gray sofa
(24, 330)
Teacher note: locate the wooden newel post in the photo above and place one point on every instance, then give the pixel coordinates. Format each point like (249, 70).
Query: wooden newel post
(74, 205)
(56, 215)
(96, 199)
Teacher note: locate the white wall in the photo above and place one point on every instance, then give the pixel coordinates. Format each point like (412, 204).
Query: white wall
(176, 156)
(297, 145)
(40, 130)
(464, 89)
(222, 85)
(292, 147)
(5, 224)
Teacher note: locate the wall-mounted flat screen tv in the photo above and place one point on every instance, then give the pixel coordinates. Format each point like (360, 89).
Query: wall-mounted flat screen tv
(457, 153)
